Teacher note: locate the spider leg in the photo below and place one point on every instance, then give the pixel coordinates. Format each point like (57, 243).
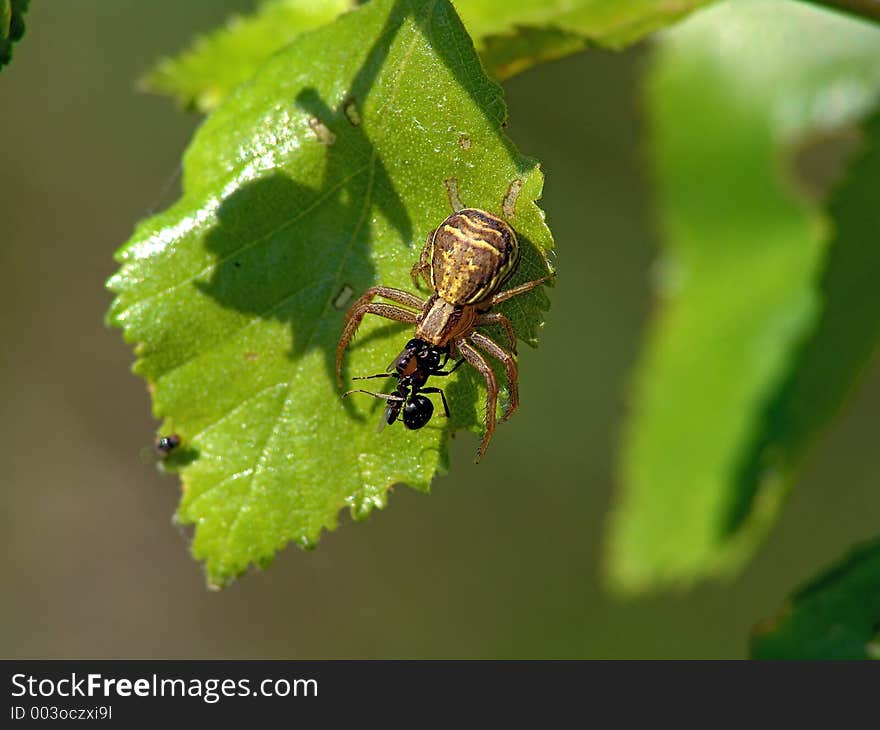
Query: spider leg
(503, 322)
(422, 268)
(386, 292)
(516, 291)
(469, 353)
(353, 320)
(490, 346)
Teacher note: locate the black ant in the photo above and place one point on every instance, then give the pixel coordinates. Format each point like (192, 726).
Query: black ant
(412, 367)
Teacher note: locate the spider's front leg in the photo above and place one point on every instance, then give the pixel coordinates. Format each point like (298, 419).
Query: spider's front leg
(386, 292)
(360, 310)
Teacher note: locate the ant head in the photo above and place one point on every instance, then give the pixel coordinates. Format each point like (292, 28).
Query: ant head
(417, 411)
(430, 356)
(427, 355)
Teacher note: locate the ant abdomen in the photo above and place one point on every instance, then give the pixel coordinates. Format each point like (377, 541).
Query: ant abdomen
(417, 411)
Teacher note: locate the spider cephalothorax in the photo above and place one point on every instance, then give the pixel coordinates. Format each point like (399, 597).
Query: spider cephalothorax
(466, 260)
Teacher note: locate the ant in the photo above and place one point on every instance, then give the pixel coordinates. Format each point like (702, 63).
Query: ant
(412, 367)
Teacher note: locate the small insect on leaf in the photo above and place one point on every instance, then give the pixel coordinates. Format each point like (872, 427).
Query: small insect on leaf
(164, 445)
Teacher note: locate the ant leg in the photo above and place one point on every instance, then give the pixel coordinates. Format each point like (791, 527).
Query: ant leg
(442, 397)
(510, 369)
(392, 410)
(384, 396)
(469, 353)
(422, 268)
(353, 320)
(516, 291)
(448, 372)
(378, 375)
(503, 322)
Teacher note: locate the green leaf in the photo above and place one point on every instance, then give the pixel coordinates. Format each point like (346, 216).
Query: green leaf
(515, 36)
(511, 38)
(317, 179)
(203, 76)
(743, 249)
(836, 616)
(846, 339)
(609, 24)
(11, 26)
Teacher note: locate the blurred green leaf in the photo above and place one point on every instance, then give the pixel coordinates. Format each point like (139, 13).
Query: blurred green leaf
(507, 55)
(838, 351)
(836, 616)
(736, 282)
(511, 37)
(316, 180)
(11, 26)
(203, 76)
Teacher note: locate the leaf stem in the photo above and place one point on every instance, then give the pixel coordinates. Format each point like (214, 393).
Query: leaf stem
(869, 9)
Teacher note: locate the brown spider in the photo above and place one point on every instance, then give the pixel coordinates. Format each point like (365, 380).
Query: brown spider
(466, 260)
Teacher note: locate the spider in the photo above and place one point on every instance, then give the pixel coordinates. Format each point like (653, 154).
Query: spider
(466, 260)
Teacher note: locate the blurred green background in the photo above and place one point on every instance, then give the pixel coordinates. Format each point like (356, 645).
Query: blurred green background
(501, 561)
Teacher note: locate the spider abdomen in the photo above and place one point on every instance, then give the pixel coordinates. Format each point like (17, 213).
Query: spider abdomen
(472, 254)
